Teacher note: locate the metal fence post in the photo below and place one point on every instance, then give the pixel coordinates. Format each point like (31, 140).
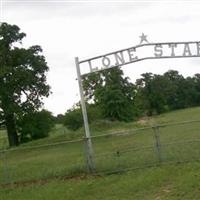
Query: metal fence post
(157, 142)
(88, 141)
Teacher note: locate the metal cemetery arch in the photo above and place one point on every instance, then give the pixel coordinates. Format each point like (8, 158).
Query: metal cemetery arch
(124, 57)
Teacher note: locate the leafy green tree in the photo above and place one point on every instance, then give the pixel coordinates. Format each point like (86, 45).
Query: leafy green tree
(91, 84)
(22, 78)
(112, 92)
(144, 91)
(35, 125)
(151, 94)
(174, 89)
(160, 93)
(73, 119)
(196, 82)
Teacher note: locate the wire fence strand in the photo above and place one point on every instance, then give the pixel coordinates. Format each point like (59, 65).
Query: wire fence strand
(114, 152)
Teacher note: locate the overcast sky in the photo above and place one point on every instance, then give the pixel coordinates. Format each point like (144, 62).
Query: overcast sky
(66, 29)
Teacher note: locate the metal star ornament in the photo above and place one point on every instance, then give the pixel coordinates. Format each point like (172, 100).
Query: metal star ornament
(143, 38)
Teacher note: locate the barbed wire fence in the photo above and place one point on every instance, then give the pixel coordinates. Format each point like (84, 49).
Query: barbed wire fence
(114, 152)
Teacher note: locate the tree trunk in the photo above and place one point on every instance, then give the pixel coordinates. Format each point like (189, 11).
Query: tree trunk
(11, 130)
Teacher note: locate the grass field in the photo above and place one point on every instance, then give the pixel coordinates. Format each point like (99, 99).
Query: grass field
(136, 150)
(174, 182)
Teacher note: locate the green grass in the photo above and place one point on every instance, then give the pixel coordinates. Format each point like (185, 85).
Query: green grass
(3, 139)
(133, 151)
(171, 182)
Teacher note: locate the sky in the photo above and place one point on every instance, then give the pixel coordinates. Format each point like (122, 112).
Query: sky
(85, 29)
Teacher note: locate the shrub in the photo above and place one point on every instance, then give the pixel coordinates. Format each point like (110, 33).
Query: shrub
(35, 125)
(73, 119)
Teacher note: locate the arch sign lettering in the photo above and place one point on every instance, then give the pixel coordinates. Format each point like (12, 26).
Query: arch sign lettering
(143, 51)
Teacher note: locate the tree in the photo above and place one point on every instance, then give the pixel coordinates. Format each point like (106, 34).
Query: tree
(174, 89)
(35, 125)
(144, 90)
(196, 82)
(73, 119)
(22, 79)
(151, 93)
(112, 92)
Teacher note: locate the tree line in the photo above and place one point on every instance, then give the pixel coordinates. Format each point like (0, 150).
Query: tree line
(112, 96)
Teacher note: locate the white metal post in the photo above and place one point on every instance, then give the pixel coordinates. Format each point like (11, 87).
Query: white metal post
(89, 149)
